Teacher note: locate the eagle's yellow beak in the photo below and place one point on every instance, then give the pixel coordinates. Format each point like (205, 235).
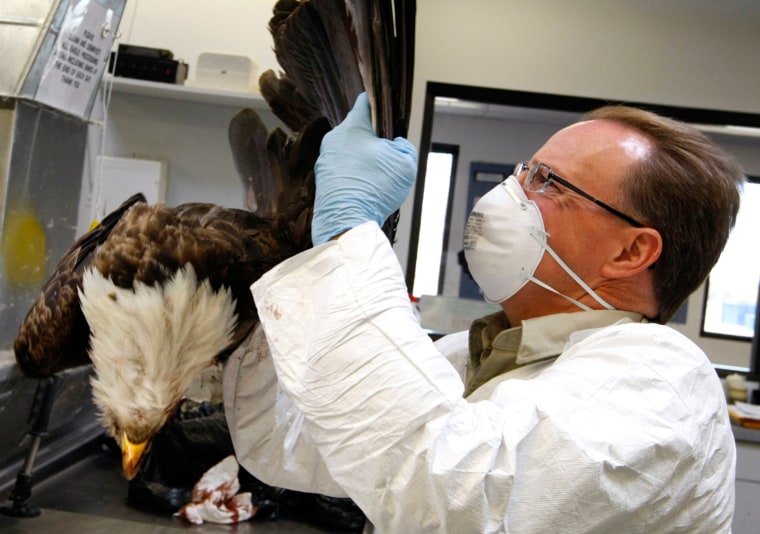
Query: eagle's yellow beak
(132, 455)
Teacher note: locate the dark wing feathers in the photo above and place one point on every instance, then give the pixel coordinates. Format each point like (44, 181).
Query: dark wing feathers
(361, 34)
(403, 65)
(312, 47)
(330, 51)
(384, 33)
(287, 102)
(248, 137)
(380, 42)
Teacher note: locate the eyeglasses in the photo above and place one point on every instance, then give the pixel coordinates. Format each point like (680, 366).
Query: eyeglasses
(541, 176)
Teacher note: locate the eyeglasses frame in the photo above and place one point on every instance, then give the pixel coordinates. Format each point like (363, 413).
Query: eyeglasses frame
(532, 169)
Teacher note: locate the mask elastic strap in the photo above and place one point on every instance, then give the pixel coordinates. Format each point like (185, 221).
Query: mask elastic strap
(541, 237)
(550, 288)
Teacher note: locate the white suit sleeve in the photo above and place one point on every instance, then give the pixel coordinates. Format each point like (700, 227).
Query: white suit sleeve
(266, 428)
(381, 404)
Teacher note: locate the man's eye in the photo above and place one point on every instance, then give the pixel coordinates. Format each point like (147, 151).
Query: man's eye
(545, 183)
(551, 185)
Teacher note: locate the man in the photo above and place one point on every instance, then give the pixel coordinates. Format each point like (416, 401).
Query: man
(572, 411)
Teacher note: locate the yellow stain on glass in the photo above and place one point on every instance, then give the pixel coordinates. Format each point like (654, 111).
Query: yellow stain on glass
(23, 249)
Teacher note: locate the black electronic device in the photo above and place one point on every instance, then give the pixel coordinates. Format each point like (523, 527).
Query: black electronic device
(145, 63)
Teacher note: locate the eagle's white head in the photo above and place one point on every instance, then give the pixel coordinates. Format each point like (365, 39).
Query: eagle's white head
(147, 345)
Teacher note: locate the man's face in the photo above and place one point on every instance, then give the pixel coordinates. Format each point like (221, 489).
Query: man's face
(592, 156)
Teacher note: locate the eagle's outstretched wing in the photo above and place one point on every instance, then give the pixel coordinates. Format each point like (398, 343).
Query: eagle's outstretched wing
(330, 52)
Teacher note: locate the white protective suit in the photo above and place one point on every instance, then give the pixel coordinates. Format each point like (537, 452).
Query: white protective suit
(626, 431)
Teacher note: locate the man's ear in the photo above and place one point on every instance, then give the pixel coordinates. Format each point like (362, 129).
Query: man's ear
(639, 249)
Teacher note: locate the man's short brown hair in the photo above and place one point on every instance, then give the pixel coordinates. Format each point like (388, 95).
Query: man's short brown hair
(688, 189)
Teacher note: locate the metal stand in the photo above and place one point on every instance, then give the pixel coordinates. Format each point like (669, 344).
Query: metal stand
(39, 416)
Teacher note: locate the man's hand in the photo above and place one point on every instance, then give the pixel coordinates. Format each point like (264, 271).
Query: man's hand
(359, 176)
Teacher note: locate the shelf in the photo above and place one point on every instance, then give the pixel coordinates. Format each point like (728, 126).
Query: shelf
(185, 93)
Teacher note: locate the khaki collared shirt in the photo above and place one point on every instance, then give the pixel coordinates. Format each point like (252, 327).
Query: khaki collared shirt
(495, 348)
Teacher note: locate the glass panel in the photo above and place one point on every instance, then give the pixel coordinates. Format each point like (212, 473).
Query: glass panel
(732, 287)
(435, 204)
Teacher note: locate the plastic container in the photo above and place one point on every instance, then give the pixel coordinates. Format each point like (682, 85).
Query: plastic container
(226, 72)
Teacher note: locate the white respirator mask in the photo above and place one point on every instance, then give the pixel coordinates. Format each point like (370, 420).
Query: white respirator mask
(504, 241)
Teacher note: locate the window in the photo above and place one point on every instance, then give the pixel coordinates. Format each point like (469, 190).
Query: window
(731, 291)
(439, 177)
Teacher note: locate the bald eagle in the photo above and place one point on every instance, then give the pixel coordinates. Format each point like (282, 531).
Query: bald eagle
(155, 294)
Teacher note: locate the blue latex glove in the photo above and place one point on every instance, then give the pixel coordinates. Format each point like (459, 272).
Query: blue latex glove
(359, 176)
